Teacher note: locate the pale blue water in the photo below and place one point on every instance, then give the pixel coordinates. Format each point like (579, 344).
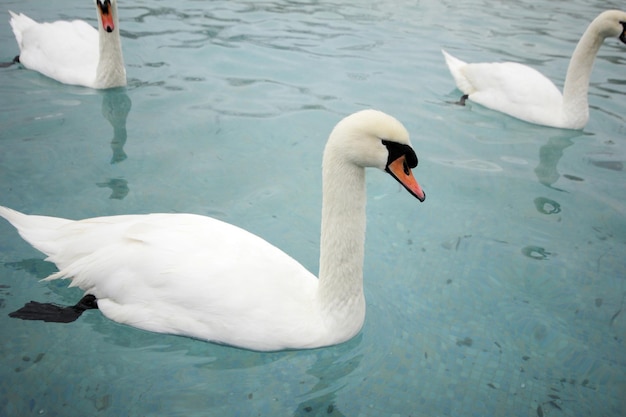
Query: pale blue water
(501, 295)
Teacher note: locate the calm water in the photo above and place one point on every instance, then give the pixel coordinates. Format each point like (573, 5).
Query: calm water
(502, 295)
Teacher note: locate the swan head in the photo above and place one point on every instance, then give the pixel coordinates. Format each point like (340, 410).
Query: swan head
(371, 138)
(107, 13)
(612, 24)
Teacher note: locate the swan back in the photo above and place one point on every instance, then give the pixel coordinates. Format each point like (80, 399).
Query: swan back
(61, 50)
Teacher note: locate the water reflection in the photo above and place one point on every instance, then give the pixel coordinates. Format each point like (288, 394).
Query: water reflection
(536, 252)
(319, 406)
(115, 108)
(608, 164)
(119, 187)
(277, 25)
(332, 372)
(116, 105)
(545, 205)
(550, 154)
(34, 266)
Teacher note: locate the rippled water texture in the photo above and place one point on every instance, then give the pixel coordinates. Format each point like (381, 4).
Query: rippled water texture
(503, 294)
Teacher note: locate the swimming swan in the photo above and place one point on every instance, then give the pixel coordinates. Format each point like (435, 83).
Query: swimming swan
(522, 92)
(74, 52)
(196, 276)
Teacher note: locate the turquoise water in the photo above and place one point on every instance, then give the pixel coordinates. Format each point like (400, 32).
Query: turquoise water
(503, 294)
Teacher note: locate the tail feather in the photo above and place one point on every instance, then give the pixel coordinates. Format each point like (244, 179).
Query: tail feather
(455, 66)
(19, 24)
(452, 61)
(39, 231)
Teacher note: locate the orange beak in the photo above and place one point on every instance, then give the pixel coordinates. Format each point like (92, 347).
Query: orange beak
(399, 169)
(106, 16)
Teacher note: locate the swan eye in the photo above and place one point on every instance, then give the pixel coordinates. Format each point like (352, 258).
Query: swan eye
(104, 6)
(397, 150)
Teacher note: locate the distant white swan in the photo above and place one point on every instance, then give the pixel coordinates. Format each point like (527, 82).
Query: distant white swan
(524, 93)
(196, 276)
(74, 52)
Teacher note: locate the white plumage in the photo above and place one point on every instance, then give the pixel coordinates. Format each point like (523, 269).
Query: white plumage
(196, 276)
(73, 52)
(525, 93)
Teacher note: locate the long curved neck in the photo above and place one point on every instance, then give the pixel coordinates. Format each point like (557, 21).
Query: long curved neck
(340, 291)
(111, 71)
(576, 88)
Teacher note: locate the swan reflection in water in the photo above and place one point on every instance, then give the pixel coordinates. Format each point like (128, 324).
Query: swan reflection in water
(551, 153)
(119, 187)
(116, 105)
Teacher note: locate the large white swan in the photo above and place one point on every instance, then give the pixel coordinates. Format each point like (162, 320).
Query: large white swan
(196, 276)
(524, 93)
(74, 52)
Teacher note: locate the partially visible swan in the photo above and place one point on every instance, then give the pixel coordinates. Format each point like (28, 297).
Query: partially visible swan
(74, 52)
(523, 92)
(196, 276)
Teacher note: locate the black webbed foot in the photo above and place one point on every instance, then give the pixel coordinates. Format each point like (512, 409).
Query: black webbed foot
(55, 313)
(461, 101)
(16, 60)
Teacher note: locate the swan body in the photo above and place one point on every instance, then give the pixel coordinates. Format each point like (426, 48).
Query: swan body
(525, 93)
(74, 52)
(196, 276)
